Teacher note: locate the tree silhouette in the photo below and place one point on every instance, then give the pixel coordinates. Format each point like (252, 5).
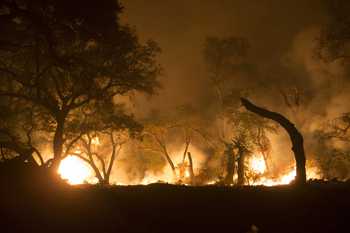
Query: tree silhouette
(333, 151)
(295, 136)
(62, 55)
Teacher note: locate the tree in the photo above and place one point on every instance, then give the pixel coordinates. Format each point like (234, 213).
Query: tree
(159, 132)
(333, 42)
(106, 128)
(332, 50)
(233, 77)
(295, 136)
(17, 127)
(225, 61)
(138, 161)
(157, 129)
(186, 118)
(62, 55)
(333, 151)
(229, 159)
(299, 97)
(249, 133)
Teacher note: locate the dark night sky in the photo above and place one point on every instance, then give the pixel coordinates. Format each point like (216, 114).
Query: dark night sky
(280, 33)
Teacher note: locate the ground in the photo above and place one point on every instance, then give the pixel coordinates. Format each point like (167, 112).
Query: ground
(323, 207)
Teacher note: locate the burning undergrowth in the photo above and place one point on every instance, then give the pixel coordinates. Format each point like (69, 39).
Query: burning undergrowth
(76, 171)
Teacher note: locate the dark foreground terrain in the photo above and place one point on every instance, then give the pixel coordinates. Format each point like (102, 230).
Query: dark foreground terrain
(171, 208)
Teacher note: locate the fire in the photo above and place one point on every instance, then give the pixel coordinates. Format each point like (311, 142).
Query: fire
(257, 164)
(95, 141)
(146, 182)
(75, 170)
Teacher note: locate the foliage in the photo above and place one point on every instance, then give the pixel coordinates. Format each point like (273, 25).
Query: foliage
(333, 47)
(333, 163)
(337, 128)
(220, 55)
(333, 40)
(333, 152)
(248, 129)
(59, 56)
(227, 65)
(233, 78)
(99, 134)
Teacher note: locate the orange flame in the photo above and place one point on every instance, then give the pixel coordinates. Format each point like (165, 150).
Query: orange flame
(75, 170)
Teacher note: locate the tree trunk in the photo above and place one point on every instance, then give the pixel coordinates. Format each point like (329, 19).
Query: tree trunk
(186, 148)
(102, 180)
(241, 159)
(191, 165)
(25, 155)
(167, 157)
(230, 166)
(265, 155)
(57, 147)
(295, 136)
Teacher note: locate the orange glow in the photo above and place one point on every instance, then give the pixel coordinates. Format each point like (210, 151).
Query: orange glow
(75, 170)
(257, 164)
(95, 141)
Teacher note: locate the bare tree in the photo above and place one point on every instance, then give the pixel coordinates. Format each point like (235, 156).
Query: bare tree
(295, 136)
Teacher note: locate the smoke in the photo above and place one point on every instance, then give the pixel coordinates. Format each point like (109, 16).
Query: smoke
(299, 59)
(282, 36)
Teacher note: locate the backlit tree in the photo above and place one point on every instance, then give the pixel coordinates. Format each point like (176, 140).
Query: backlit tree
(61, 55)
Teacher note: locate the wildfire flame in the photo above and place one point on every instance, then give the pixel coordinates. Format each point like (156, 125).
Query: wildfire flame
(95, 141)
(258, 166)
(74, 170)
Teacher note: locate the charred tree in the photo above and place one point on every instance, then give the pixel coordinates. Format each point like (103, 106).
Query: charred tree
(190, 164)
(240, 163)
(230, 165)
(295, 136)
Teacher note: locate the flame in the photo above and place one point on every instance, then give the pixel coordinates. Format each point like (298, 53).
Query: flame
(95, 141)
(258, 166)
(75, 170)
(146, 182)
(285, 179)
